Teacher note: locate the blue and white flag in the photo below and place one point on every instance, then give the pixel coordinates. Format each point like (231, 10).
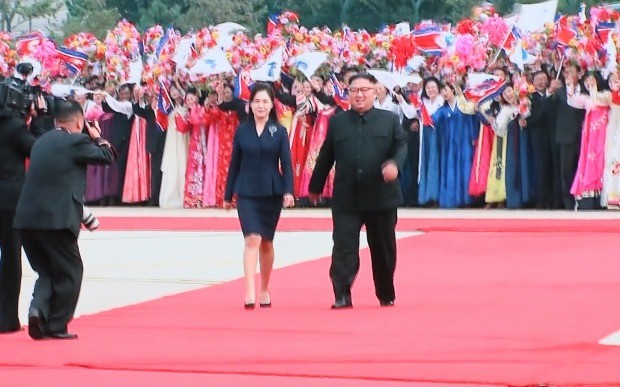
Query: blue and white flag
(212, 62)
(270, 70)
(308, 62)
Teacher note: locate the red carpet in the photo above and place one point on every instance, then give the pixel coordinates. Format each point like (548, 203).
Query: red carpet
(472, 308)
(324, 224)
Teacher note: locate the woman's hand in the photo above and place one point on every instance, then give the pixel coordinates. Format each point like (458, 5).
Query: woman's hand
(228, 205)
(288, 201)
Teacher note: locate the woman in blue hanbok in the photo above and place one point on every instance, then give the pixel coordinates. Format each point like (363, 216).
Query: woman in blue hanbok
(455, 120)
(429, 169)
(510, 125)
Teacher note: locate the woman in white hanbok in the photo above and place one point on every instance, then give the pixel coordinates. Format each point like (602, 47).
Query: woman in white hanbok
(610, 196)
(174, 160)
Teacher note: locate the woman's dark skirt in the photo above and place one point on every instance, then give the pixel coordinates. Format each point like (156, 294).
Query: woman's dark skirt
(259, 215)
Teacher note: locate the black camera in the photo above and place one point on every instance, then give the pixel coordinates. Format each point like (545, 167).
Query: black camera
(17, 96)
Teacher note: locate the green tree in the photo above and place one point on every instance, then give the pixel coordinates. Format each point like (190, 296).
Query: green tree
(249, 13)
(90, 16)
(16, 12)
(158, 12)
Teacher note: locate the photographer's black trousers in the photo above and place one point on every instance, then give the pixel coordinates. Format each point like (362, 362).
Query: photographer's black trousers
(55, 256)
(10, 272)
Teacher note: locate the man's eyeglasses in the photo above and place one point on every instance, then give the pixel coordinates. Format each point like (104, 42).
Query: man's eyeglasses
(364, 90)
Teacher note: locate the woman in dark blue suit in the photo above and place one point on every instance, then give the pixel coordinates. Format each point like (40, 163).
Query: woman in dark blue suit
(261, 176)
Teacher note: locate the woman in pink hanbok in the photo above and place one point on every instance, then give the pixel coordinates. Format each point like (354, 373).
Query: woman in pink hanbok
(588, 183)
(137, 185)
(610, 197)
(197, 153)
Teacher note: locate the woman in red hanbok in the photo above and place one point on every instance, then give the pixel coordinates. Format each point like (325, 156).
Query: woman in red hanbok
(212, 122)
(301, 132)
(483, 149)
(319, 133)
(227, 125)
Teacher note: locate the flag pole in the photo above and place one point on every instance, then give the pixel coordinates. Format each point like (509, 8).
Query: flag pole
(168, 95)
(75, 78)
(501, 46)
(557, 76)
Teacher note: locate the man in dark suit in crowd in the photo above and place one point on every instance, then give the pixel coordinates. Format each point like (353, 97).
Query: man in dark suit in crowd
(15, 145)
(542, 142)
(569, 122)
(49, 215)
(155, 140)
(369, 147)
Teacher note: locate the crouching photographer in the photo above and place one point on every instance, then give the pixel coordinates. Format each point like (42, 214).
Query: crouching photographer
(50, 213)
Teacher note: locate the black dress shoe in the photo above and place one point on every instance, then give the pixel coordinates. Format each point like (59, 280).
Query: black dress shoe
(61, 336)
(36, 324)
(11, 330)
(386, 303)
(265, 305)
(249, 306)
(343, 302)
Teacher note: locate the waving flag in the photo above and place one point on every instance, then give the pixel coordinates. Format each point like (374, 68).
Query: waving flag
(482, 87)
(429, 39)
(74, 60)
(511, 40)
(273, 22)
(243, 85)
(534, 17)
(185, 51)
(27, 44)
(164, 108)
(270, 70)
(603, 29)
(308, 62)
(341, 93)
(520, 57)
(212, 62)
(163, 42)
(564, 31)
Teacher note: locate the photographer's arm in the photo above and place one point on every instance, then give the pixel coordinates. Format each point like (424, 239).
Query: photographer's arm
(94, 150)
(23, 140)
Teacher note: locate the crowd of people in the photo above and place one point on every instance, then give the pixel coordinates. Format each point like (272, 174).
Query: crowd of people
(564, 153)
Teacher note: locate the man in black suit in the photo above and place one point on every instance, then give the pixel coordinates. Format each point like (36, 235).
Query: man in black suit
(155, 140)
(542, 142)
(369, 147)
(15, 145)
(569, 122)
(49, 215)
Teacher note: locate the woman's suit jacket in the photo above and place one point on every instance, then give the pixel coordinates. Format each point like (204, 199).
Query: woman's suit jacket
(260, 166)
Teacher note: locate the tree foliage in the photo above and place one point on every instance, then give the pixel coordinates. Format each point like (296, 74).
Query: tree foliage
(90, 16)
(16, 12)
(186, 15)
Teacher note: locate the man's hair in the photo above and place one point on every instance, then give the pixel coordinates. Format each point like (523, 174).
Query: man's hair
(66, 110)
(367, 77)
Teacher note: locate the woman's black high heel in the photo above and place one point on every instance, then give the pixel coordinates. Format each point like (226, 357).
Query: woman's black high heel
(266, 304)
(249, 306)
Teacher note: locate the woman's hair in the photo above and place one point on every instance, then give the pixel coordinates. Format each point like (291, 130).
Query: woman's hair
(449, 86)
(257, 88)
(601, 84)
